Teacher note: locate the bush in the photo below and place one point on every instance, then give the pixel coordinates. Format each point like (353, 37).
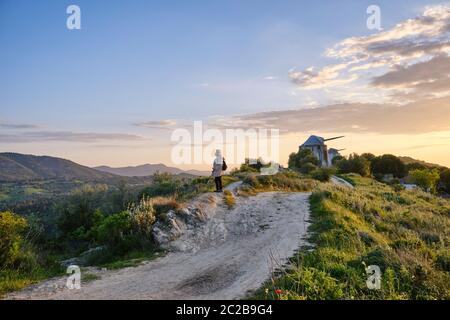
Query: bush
(322, 174)
(354, 164)
(164, 184)
(11, 242)
(80, 211)
(143, 217)
(388, 164)
(302, 157)
(307, 168)
(128, 230)
(114, 229)
(444, 180)
(246, 168)
(425, 179)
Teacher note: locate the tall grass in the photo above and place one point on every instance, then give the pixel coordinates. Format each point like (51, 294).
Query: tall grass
(405, 233)
(282, 181)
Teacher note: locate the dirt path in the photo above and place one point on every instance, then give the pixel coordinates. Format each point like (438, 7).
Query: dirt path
(226, 257)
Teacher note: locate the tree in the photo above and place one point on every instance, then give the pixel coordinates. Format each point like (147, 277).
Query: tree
(444, 180)
(425, 179)
(336, 159)
(368, 156)
(302, 157)
(354, 164)
(388, 164)
(415, 165)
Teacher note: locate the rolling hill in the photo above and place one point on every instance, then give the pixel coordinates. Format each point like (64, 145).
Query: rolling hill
(15, 167)
(147, 170)
(409, 160)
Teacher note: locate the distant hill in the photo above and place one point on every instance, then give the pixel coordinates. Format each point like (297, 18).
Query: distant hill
(409, 160)
(147, 170)
(15, 167)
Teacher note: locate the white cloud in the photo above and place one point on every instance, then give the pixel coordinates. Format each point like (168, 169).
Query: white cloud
(411, 49)
(157, 124)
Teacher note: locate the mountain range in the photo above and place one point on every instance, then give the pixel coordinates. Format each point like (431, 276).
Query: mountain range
(16, 167)
(147, 170)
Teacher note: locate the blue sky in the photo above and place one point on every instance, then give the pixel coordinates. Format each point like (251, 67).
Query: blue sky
(137, 61)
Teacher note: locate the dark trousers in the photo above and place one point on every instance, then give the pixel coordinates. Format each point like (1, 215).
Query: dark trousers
(218, 181)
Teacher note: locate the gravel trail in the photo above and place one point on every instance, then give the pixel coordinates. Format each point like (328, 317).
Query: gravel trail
(226, 257)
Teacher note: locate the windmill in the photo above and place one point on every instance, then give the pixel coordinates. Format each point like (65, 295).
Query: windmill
(319, 149)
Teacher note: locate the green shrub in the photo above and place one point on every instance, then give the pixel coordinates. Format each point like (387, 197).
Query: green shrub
(322, 174)
(12, 227)
(443, 261)
(302, 157)
(143, 217)
(114, 229)
(354, 164)
(388, 164)
(426, 179)
(444, 180)
(168, 187)
(307, 168)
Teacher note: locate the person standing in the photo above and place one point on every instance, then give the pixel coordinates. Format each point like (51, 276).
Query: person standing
(219, 166)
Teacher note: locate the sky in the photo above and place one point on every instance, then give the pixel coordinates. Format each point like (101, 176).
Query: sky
(113, 92)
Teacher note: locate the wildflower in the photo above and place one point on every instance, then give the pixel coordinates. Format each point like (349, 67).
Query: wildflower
(278, 291)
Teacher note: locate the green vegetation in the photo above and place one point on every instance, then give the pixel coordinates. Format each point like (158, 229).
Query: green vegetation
(307, 164)
(405, 233)
(19, 264)
(444, 180)
(282, 181)
(106, 225)
(427, 179)
(354, 164)
(302, 158)
(388, 164)
(322, 174)
(88, 277)
(21, 167)
(109, 224)
(130, 259)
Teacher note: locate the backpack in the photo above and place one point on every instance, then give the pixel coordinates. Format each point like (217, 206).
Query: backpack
(224, 165)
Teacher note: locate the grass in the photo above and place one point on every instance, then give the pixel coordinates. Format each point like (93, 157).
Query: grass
(229, 199)
(88, 277)
(202, 185)
(16, 279)
(132, 259)
(405, 233)
(33, 190)
(282, 181)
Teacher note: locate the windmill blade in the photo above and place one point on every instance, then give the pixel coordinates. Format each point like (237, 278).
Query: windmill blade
(334, 138)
